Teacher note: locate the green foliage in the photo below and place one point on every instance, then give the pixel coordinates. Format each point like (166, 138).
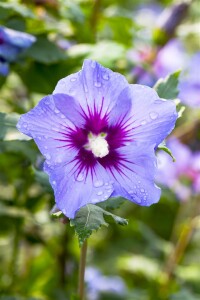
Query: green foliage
(8, 130)
(44, 51)
(38, 253)
(163, 147)
(90, 218)
(167, 88)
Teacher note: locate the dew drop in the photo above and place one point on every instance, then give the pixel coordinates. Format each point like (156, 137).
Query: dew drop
(143, 122)
(62, 116)
(72, 92)
(46, 137)
(99, 193)
(98, 183)
(25, 125)
(45, 147)
(138, 200)
(153, 115)
(97, 84)
(53, 182)
(73, 79)
(56, 111)
(105, 76)
(80, 177)
(47, 101)
(108, 187)
(39, 138)
(48, 156)
(142, 190)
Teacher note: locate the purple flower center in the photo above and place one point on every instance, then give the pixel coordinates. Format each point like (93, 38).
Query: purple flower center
(97, 140)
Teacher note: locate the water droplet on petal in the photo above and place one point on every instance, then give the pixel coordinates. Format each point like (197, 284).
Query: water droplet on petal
(53, 182)
(99, 193)
(105, 76)
(108, 187)
(25, 125)
(153, 115)
(80, 177)
(98, 183)
(97, 84)
(62, 116)
(45, 147)
(72, 92)
(142, 190)
(47, 101)
(73, 79)
(143, 122)
(138, 200)
(48, 156)
(56, 111)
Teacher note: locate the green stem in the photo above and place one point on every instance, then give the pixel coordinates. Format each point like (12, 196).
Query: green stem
(82, 270)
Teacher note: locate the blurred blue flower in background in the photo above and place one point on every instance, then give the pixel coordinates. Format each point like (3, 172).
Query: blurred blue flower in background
(183, 176)
(12, 43)
(97, 284)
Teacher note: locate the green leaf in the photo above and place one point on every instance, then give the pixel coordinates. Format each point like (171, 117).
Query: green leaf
(42, 178)
(8, 130)
(45, 51)
(92, 217)
(163, 147)
(112, 203)
(167, 88)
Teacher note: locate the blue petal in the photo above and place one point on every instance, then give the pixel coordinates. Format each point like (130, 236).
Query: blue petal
(74, 190)
(16, 38)
(153, 117)
(92, 85)
(46, 124)
(135, 181)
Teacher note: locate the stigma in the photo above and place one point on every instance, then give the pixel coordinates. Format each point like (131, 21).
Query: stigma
(98, 145)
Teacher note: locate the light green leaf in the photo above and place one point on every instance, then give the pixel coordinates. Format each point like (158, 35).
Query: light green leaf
(92, 217)
(8, 130)
(163, 147)
(167, 88)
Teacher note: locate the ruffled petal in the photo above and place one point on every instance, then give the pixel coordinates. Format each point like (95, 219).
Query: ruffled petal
(94, 86)
(74, 189)
(49, 126)
(152, 118)
(134, 179)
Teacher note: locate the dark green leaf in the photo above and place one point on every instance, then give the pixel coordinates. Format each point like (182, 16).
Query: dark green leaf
(45, 51)
(112, 203)
(167, 88)
(42, 178)
(92, 217)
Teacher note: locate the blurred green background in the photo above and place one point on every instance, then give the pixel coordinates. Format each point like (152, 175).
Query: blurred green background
(39, 254)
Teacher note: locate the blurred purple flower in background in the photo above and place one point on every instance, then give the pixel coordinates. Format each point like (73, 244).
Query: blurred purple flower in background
(12, 43)
(98, 134)
(170, 58)
(190, 83)
(183, 176)
(97, 283)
